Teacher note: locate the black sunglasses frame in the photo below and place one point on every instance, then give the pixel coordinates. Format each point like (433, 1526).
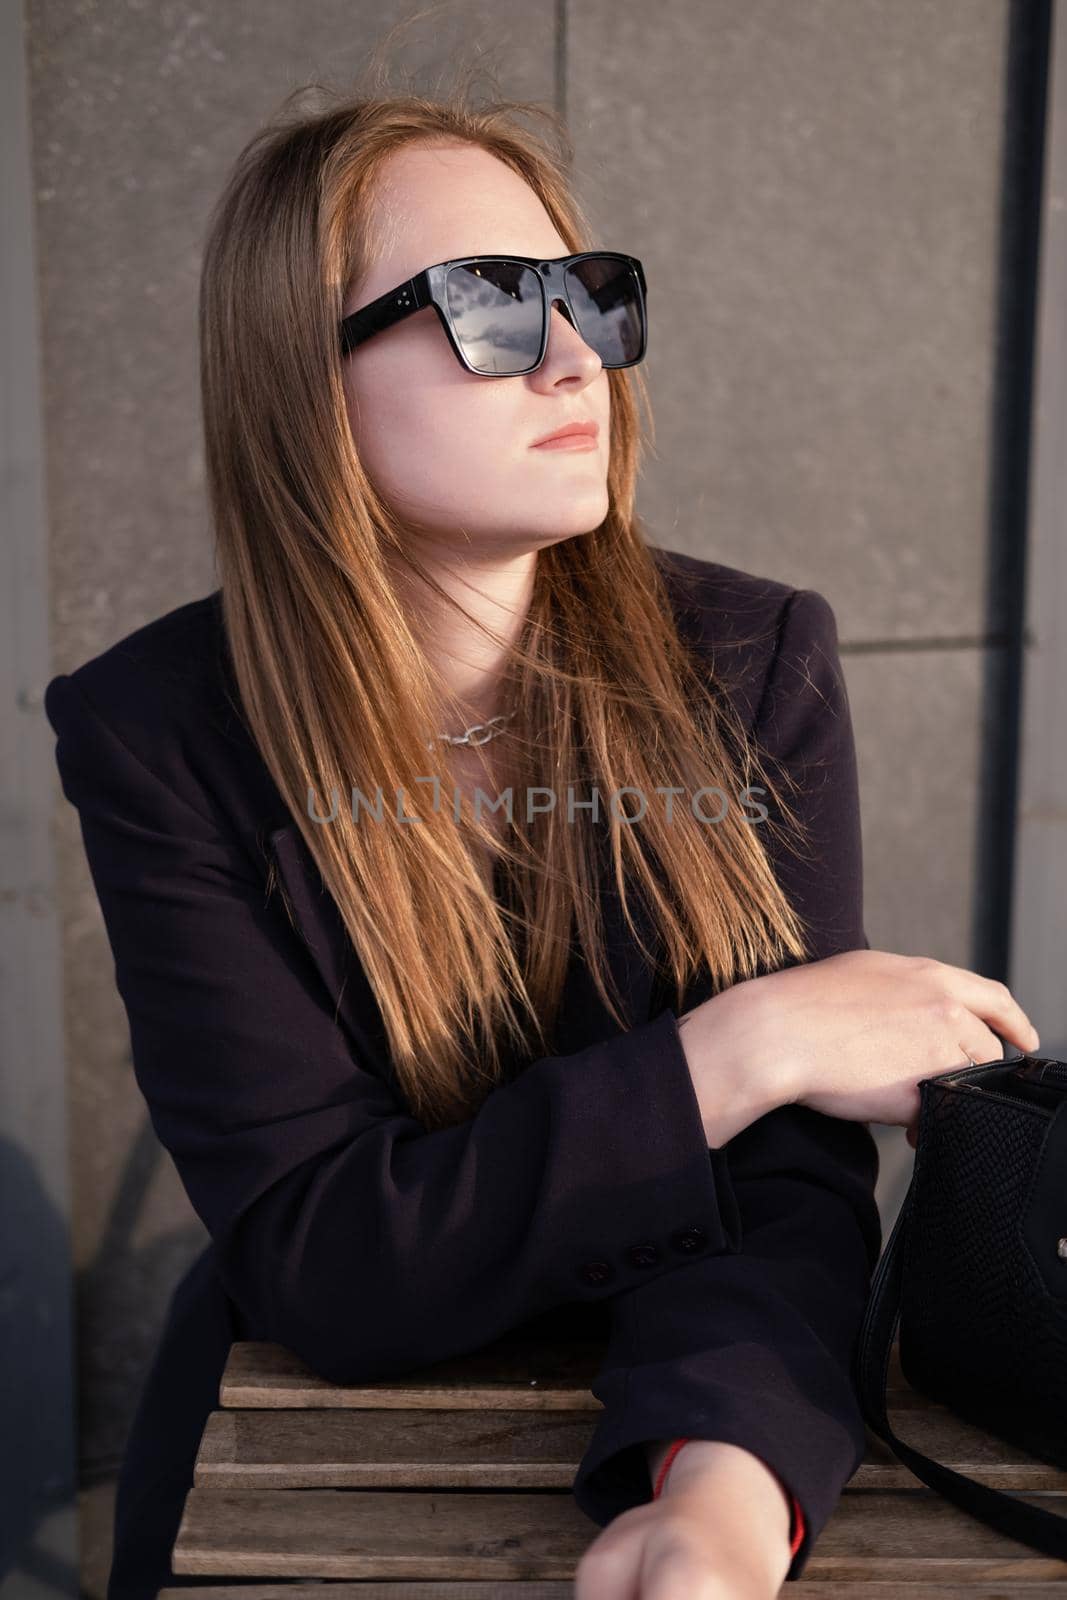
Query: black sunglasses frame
(428, 288)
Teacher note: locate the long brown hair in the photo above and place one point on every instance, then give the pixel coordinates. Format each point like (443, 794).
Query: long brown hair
(338, 695)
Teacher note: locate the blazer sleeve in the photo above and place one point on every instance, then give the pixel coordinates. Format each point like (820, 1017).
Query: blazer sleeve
(345, 1230)
(755, 1347)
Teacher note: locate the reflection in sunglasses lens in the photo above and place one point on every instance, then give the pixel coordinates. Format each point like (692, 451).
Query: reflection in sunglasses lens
(497, 315)
(497, 312)
(604, 294)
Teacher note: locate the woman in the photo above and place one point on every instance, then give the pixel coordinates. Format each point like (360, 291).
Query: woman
(429, 1071)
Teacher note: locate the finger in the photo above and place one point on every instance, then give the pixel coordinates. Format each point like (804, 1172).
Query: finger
(994, 1004)
(982, 1046)
(610, 1568)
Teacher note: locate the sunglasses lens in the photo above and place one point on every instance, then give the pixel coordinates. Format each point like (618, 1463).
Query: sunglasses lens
(609, 309)
(496, 311)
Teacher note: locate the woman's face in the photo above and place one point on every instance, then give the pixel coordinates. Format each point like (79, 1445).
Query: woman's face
(449, 451)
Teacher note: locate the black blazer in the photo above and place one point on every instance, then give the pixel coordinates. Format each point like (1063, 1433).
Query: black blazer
(728, 1284)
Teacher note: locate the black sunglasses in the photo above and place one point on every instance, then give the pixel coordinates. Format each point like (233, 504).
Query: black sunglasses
(495, 308)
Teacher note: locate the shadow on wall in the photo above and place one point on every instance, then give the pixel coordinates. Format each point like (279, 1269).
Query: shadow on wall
(120, 1300)
(36, 1383)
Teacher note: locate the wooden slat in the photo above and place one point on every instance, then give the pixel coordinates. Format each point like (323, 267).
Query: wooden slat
(892, 1535)
(417, 1589)
(428, 1589)
(332, 1449)
(536, 1590)
(545, 1376)
(338, 1449)
(554, 1377)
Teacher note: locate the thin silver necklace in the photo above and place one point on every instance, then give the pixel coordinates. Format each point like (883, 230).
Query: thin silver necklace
(479, 733)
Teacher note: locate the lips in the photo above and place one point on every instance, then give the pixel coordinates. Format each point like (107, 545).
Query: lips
(590, 430)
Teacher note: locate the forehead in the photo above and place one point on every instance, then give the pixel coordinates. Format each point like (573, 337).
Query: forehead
(435, 202)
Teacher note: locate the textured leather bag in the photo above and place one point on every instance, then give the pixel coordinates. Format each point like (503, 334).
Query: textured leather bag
(975, 1271)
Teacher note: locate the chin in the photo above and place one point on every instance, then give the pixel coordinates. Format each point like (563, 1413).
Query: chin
(577, 512)
(558, 537)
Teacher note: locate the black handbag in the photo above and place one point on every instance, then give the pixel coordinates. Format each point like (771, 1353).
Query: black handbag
(975, 1271)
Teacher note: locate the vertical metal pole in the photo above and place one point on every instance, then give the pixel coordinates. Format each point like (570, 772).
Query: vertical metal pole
(1039, 914)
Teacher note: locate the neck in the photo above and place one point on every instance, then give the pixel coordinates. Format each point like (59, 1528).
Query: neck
(496, 592)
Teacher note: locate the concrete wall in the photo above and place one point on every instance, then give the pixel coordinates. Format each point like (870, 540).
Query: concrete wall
(832, 175)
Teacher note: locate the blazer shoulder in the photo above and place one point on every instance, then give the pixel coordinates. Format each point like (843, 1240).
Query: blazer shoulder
(165, 692)
(178, 650)
(712, 585)
(742, 622)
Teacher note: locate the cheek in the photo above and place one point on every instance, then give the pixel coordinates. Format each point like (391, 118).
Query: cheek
(377, 393)
(402, 389)
(406, 385)
(429, 442)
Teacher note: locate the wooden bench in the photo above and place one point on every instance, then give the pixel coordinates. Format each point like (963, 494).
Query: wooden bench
(455, 1481)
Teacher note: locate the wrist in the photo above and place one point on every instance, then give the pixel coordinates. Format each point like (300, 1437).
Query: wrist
(708, 1461)
(740, 1487)
(737, 1066)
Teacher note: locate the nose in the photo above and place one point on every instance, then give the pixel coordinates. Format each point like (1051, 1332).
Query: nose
(567, 356)
(562, 306)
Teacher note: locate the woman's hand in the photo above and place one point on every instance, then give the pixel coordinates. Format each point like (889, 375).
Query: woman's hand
(852, 1035)
(720, 1531)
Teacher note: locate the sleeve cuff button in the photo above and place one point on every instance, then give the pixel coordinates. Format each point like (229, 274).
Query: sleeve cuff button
(597, 1272)
(689, 1240)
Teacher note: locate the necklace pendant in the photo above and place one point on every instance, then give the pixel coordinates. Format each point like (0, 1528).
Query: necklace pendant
(480, 733)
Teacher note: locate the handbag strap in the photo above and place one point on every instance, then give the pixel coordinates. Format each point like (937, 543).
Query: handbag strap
(1042, 1530)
